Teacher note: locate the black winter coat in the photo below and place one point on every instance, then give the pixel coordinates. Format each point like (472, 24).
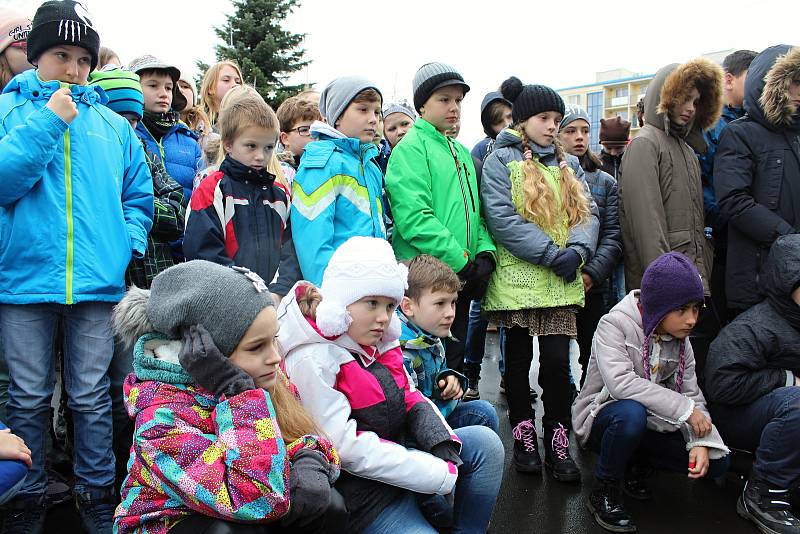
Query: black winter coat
(757, 174)
(609, 238)
(760, 350)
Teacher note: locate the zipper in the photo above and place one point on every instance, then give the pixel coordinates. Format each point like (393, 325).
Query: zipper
(463, 192)
(471, 197)
(70, 224)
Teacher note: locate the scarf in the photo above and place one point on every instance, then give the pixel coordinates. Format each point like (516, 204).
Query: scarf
(158, 124)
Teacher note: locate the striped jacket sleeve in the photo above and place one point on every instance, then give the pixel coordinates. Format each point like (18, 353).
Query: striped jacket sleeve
(204, 238)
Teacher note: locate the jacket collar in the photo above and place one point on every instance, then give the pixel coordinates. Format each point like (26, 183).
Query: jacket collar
(325, 132)
(242, 173)
(414, 337)
(29, 85)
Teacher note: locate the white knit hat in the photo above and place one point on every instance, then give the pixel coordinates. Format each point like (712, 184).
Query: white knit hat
(360, 267)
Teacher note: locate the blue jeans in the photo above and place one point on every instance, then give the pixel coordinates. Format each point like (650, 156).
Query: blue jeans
(3, 382)
(121, 366)
(620, 434)
(472, 413)
(476, 337)
(476, 490)
(28, 335)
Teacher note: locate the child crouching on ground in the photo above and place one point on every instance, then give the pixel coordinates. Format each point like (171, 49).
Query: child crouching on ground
(640, 406)
(220, 438)
(342, 352)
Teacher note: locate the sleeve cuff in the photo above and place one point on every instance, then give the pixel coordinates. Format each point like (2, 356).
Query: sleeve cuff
(550, 254)
(138, 248)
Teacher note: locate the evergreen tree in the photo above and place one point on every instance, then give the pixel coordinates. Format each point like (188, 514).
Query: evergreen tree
(267, 53)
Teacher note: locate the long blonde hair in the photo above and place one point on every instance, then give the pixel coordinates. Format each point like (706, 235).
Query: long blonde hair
(540, 204)
(293, 420)
(210, 83)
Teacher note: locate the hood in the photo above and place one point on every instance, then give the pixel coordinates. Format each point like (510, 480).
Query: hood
(629, 307)
(671, 86)
(29, 85)
(765, 90)
(781, 275)
(323, 131)
(508, 138)
(494, 96)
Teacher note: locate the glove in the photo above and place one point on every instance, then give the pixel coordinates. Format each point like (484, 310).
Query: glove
(566, 264)
(447, 451)
(467, 273)
(201, 358)
(309, 487)
(484, 265)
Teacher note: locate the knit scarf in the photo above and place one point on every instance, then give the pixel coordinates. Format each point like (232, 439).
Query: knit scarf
(158, 124)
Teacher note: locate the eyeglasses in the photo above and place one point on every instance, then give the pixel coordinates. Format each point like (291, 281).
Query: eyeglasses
(302, 131)
(22, 45)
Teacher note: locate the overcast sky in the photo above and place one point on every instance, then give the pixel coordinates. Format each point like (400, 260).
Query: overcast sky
(554, 43)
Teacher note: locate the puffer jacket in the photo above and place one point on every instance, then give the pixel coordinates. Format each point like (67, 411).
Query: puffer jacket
(523, 278)
(757, 172)
(616, 372)
(608, 252)
(660, 190)
(196, 453)
(760, 350)
(76, 201)
(179, 151)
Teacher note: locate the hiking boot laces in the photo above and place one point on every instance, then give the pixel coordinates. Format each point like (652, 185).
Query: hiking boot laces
(525, 432)
(560, 443)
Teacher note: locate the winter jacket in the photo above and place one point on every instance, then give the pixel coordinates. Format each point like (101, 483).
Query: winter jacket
(425, 362)
(660, 191)
(433, 193)
(611, 164)
(757, 172)
(482, 148)
(169, 212)
(76, 201)
(179, 151)
(760, 350)
(240, 216)
(336, 195)
(523, 278)
(608, 252)
(616, 372)
(485, 146)
(362, 400)
(196, 453)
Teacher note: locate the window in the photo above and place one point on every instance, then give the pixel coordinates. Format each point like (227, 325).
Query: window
(575, 100)
(594, 108)
(620, 91)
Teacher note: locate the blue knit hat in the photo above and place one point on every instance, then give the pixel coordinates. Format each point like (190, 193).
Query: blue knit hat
(122, 89)
(670, 282)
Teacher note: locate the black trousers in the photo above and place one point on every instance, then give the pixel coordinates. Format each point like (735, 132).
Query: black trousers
(588, 318)
(709, 323)
(554, 376)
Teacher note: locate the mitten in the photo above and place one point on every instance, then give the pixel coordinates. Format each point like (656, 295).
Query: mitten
(201, 358)
(310, 482)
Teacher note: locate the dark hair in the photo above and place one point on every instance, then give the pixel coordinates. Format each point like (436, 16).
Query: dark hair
(737, 62)
(590, 162)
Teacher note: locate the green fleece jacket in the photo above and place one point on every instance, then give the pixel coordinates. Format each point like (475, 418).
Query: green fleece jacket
(433, 194)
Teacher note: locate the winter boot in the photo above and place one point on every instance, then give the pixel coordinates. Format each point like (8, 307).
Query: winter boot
(556, 454)
(605, 504)
(768, 507)
(25, 515)
(526, 457)
(473, 373)
(635, 485)
(96, 507)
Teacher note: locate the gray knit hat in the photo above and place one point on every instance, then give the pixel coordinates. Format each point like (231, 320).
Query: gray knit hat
(338, 94)
(433, 76)
(573, 113)
(396, 107)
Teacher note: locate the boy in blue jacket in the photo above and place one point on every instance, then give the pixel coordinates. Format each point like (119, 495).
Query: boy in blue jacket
(76, 204)
(338, 188)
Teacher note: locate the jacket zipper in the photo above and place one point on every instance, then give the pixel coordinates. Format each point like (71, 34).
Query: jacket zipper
(471, 196)
(461, 183)
(70, 225)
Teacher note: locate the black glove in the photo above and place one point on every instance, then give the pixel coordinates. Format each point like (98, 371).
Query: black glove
(309, 487)
(484, 265)
(566, 264)
(467, 273)
(201, 358)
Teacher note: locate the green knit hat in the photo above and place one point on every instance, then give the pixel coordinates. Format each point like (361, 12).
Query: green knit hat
(122, 88)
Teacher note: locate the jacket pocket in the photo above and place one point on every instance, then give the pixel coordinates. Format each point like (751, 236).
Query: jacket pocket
(771, 169)
(679, 240)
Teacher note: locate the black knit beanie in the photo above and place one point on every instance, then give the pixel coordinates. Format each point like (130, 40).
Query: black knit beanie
(62, 22)
(530, 100)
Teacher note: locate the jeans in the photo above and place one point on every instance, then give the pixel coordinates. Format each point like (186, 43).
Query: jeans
(3, 382)
(476, 337)
(770, 426)
(121, 366)
(474, 413)
(620, 435)
(29, 335)
(476, 490)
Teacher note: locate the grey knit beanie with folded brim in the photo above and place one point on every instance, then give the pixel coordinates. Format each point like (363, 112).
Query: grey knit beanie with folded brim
(338, 94)
(225, 300)
(433, 76)
(396, 107)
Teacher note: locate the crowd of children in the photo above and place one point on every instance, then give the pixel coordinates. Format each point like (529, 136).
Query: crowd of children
(275, 321)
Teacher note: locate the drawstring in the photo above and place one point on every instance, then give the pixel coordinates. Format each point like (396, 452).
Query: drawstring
(526, 433)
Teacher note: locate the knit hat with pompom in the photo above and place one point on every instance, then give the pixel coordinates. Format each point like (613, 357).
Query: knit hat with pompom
(530, 100)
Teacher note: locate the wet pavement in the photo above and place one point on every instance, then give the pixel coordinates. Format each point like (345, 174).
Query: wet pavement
(540, 504)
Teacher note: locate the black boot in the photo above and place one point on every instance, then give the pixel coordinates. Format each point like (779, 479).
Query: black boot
(556, 454)
(768, 507)
(25, 515)
(526, 457)
(473, 373)
(635, 485)
(605, 504)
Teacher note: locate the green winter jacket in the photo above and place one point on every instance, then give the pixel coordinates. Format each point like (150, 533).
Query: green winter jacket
(433, 194)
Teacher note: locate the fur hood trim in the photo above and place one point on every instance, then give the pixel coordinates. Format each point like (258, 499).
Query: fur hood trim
(130, 318)
(708, 77)
(778, 108)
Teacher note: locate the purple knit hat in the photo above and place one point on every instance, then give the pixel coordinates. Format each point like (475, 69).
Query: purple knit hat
(670, 282)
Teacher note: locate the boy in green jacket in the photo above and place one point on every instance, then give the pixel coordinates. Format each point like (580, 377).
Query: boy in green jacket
(433, 194)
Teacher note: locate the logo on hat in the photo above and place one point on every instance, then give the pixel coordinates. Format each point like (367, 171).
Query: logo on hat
(72, 29)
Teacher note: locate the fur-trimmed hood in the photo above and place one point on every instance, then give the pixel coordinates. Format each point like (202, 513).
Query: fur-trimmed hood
(671, 86)
(766, 97)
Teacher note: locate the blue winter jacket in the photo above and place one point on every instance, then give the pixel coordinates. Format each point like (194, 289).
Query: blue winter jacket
(336, 195)
(76, 201)
(180, 152)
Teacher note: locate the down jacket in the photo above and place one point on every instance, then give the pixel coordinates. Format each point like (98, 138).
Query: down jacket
(660, 190)
(757, 172)
(608, 252)
(179, 151)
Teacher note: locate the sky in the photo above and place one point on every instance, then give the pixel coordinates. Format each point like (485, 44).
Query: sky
(559, 44)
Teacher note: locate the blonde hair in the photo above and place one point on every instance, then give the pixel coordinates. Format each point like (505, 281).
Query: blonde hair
(540, 204)
(210, 83)
(104, 57)
(5, 72)
(293, 420)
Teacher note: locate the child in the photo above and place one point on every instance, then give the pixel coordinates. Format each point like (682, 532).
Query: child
(336, 193)
(218, 80)
(14, 28)
(239, 213)
(597, 273)
(160, 128)
(641, 406)
(433, 193)
(107, 57)
(76, 204)
(295, 117)
(495, 117)
(220, 438)
(344, 357)
(398, 119)
(545, 223)
(752, 379)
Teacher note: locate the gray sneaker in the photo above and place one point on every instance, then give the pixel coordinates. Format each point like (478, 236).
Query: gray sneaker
(768, 507)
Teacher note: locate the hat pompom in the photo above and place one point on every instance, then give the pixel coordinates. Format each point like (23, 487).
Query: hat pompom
(333, 319)
(511, 88)
(130, 319)
(393, 331)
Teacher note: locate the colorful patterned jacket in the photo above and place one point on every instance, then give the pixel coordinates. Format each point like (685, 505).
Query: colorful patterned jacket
(195, 453)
